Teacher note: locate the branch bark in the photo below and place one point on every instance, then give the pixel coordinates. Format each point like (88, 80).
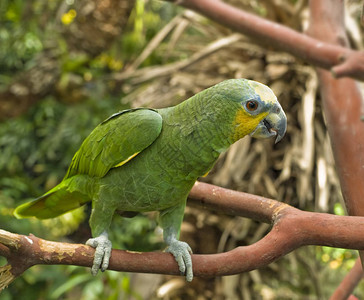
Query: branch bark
(340, 60)
(291, 229)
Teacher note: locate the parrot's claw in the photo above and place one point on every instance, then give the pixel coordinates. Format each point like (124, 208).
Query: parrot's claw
(182, 254)
(102, 254)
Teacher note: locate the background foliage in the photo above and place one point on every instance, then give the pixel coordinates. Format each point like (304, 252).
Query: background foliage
(158, 60)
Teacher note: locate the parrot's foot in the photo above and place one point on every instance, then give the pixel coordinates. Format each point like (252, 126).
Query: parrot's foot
(102, 254)
(182, 254)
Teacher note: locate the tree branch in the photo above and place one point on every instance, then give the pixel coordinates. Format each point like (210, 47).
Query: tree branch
(291, 229)
(343, 108)
(348, 284)
(340, 60)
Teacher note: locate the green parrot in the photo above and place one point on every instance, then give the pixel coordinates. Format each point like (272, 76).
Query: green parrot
(144, 159)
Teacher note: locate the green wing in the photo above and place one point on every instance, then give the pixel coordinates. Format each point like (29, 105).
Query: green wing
(115, 141)
(111, 144)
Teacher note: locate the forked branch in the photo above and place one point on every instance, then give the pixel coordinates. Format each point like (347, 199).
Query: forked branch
(340, 60)
(291, 229)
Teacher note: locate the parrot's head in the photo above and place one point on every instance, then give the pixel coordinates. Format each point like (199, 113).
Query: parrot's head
(258, 112)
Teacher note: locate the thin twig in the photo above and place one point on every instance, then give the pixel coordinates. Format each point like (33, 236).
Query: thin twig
(154, 43)
(148, 73)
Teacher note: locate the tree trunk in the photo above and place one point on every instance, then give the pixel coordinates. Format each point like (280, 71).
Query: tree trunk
(342, 104)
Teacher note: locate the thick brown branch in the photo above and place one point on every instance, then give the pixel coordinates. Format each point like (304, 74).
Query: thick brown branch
(316, 52)
(291, 229)
(342, 105)
(230, 202)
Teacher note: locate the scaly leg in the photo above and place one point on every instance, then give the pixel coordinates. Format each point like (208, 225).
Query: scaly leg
(102, 253)
(100, 220)
(170, 220)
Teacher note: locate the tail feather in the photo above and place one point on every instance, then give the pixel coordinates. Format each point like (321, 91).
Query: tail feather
(57, 201)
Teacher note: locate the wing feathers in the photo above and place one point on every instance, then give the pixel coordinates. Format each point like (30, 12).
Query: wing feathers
(116, 141)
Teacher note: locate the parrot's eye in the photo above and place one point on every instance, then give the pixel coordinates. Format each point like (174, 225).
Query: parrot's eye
(251, 105)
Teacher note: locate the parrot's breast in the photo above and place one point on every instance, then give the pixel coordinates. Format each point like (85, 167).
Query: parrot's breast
(141, 185)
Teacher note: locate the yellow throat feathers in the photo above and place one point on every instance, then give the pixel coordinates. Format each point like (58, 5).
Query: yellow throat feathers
(245, 123)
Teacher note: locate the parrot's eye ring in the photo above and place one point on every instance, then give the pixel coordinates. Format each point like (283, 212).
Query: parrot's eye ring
(251, 105)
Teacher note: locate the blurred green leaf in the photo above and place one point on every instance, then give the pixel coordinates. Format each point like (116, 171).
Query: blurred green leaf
(339, 209)
(69, 284)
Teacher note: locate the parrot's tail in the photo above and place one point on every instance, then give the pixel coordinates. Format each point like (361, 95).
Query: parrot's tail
(57, 201)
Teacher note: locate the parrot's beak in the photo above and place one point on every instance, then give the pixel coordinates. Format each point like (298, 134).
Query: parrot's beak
(274, 124)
